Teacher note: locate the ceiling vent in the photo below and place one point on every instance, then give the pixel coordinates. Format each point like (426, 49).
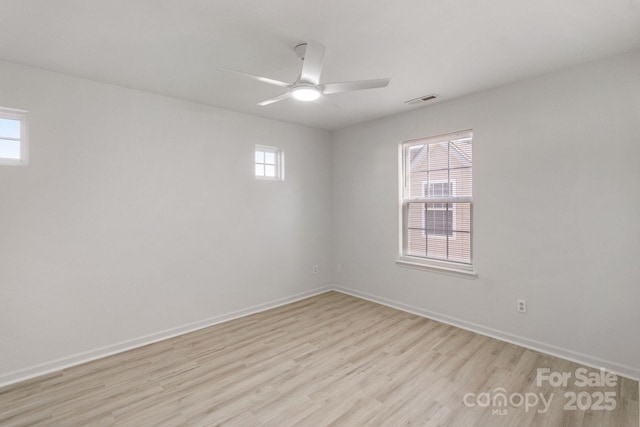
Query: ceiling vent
(421, 99)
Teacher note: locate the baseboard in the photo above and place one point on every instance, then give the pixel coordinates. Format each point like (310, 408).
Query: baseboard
(98, 353)
(584, 359)
(80, 358)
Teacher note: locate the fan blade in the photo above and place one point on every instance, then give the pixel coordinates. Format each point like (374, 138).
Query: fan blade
(330, 88)
(259, 78)
(312, 64)
(275, 99)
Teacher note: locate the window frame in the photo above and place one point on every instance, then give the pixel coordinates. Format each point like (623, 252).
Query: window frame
(423, 263)
(279, 162)
(23, 141)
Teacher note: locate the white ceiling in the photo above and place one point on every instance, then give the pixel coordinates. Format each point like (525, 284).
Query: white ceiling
(448, 47)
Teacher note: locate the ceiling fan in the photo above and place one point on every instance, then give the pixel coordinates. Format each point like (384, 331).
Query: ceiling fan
(307, 87)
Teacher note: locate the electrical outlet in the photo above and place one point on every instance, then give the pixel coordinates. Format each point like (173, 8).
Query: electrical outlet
(339, 268)
(315, 269)
(522, 305)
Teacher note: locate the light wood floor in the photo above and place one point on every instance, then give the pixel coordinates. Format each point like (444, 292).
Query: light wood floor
(327, 360)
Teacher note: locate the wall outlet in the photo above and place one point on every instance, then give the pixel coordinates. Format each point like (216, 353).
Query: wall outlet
(315, 269)
(522, 305)
(339, 268)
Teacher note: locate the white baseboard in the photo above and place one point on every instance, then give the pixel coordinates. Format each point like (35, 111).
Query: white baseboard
(80, 358)
(584, 359)
(87, 356)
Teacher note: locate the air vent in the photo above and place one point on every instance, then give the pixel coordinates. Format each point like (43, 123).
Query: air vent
(421, 99)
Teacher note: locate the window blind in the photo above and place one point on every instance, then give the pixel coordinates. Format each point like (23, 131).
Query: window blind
(437, 198)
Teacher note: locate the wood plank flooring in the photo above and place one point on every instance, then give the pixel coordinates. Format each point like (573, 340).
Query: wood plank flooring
(328, 360)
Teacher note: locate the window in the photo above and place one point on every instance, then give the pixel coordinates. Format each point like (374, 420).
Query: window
(269, 163)
(437, 202)
(13, 137)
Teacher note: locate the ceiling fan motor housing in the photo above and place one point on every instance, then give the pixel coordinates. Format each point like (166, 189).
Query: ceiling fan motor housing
(300, 50)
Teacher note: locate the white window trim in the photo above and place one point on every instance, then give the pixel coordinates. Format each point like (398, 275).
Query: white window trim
(437, 266)
(21, 115)
(428, 264)
(279, 154)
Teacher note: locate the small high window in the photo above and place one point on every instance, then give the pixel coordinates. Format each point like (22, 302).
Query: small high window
(269, 163)
(13, 137)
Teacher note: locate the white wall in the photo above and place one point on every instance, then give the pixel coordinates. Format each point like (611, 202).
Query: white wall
(556, 213)
(140, 213)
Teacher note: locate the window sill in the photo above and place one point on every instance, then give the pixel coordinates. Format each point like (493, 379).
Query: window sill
(12, 162)
(437, 267)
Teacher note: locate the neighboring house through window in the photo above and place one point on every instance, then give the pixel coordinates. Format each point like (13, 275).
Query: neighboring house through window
(439, 219)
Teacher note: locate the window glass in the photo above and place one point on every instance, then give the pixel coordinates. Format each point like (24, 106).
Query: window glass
(9, 128)
(269, 163)
(13, 141)
(437, 199)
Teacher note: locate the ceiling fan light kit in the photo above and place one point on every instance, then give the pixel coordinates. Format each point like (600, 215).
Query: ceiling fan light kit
(307, 87)
(305, 93)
